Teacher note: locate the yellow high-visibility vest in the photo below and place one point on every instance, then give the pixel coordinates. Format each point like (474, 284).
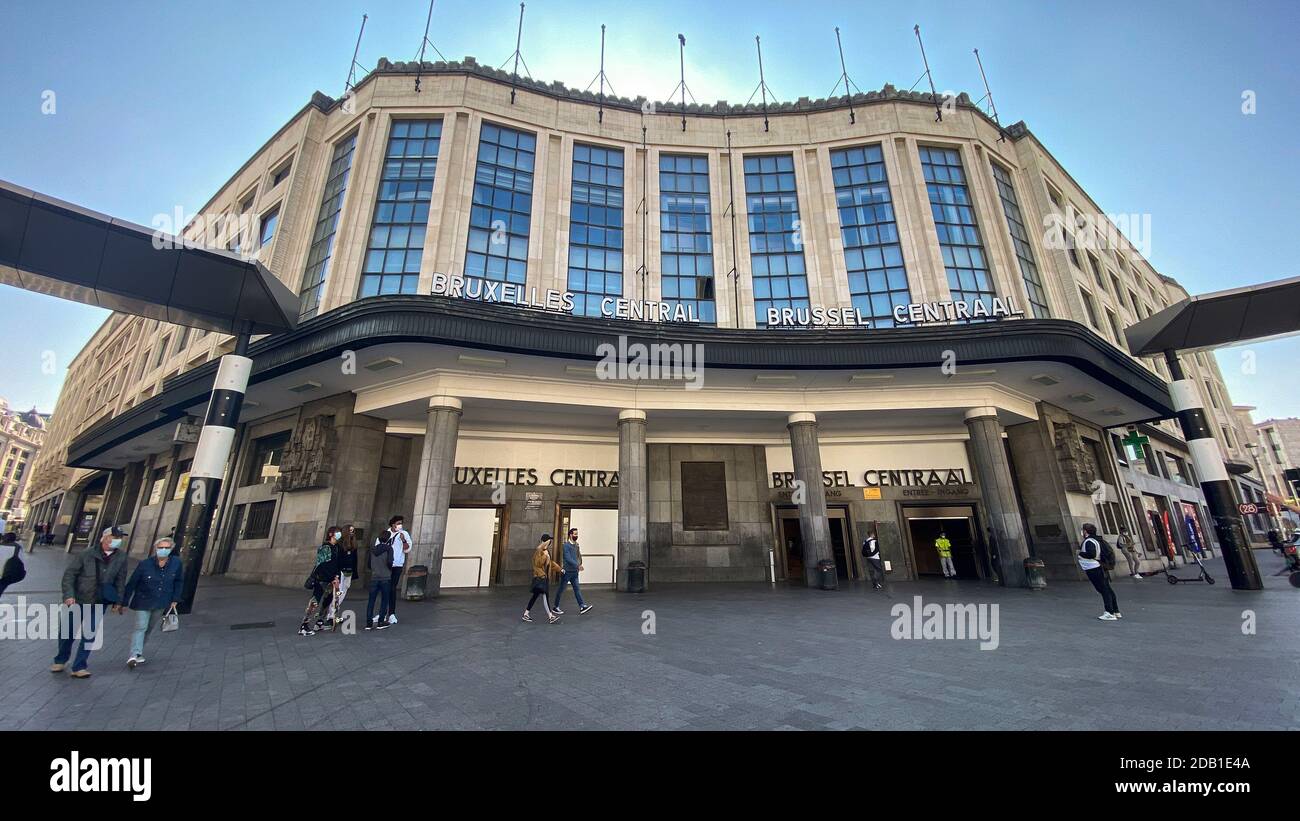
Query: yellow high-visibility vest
(944, 547)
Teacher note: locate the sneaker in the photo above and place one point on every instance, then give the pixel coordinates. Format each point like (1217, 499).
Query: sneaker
(1137, 576)
(392, 619)
(879, 586)
(81, 674)
(557, 611)
(370, 626)
(306, 631)
(1107, 617)
(585, 608)
(554, 619)
(1119, 615)
(383, 625)
(320, 625)
(57, 668)
(132, 662)
(528, 618)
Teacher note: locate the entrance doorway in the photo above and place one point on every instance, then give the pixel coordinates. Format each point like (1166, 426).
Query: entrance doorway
(597, 540)
(925, 524)
(790, 554)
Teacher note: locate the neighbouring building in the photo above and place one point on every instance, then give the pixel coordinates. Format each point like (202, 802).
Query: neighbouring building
(22, 434)
(880, 323)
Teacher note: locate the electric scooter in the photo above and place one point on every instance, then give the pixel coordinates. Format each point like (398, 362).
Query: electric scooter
(1203, 577)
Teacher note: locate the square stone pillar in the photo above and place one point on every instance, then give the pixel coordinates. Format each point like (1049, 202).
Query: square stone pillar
(632, 493)
(997, 490)
(810, 495)
(433, 494)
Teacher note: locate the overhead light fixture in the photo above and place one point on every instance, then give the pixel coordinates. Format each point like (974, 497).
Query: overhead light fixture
(250, 403)
(1082, 397)
(1044, 379)
(1113, 412)
(985, 372)
(871, 377)
(383, 364)
(481, 361)
(309, 385)
(580, 370)
(775, 377)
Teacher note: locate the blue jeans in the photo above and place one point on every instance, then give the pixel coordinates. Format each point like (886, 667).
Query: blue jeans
(569, 577)
(378, 588)
(89, 619)
(145, 620)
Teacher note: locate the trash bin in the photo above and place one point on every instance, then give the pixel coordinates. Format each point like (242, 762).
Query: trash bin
(416, 579)
(1036, 573)
(826, 575)
(636, 577)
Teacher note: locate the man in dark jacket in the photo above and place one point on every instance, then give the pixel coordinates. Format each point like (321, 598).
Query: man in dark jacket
(94, 579)
(381, 581)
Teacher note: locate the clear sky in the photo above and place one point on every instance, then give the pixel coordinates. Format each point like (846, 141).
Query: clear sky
(157, 104)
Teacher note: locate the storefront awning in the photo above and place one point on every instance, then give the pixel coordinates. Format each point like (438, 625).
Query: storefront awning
(54, 247)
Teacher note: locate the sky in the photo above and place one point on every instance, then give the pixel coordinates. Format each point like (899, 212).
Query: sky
(156, 105)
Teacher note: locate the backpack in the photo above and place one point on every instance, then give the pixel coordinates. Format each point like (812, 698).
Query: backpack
(14, 569)
(866, 548)
(1106, 555)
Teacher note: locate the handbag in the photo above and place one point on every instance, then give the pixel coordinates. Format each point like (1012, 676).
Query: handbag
(171, 621)
(539, 584)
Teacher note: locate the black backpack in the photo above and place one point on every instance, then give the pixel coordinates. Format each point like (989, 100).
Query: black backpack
(1107, 554)
(14, 569)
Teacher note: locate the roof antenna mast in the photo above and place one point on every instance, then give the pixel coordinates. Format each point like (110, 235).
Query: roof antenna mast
(602, 78)
(425, 42)
(938, 109)
(518, 57)
(849, 85)
(351, 82)
(1002, 136)
(762, 84)
(681, 40)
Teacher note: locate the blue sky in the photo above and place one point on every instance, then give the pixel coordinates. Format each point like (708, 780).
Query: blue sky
(157, 104)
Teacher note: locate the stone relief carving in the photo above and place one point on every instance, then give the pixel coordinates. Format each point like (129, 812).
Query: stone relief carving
(308, 462)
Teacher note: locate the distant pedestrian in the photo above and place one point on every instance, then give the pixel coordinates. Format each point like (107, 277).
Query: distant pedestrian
(153, 590)
(347, 573)
(94, 579)
(401, 549)
(1092, 560)
(944, 547)
(543, 565)
(572, 559)
(875, 566)
(1129, 547)
(322, 582)
(380, 561)
(14, 570)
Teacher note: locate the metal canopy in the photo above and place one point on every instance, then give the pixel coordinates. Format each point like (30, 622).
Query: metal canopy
(1220, 318)
(54, 247)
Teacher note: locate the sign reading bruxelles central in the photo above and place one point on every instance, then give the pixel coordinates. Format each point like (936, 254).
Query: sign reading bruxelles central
(913, 313)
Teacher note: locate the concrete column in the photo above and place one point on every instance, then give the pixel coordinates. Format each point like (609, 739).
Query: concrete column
(433, 493)
(998, 493)
(813, 526)
(632, 493)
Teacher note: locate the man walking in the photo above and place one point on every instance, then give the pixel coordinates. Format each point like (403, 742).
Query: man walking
(1090, 561)
(875, 566)
(381, 581)
(1127, 545)
(401, 548)
(572, 563)
(944, 547)
(94, 578)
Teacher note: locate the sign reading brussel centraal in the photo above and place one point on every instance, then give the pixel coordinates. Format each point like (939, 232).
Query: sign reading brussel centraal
(817, 316)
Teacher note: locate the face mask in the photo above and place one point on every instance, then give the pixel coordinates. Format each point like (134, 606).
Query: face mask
(397, 526)
(164, 552)
(115, 544)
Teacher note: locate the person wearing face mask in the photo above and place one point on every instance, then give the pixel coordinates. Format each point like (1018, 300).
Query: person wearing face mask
(347, 573)
(401, 549)
(154, 589)
(324, 581)
(93, 580)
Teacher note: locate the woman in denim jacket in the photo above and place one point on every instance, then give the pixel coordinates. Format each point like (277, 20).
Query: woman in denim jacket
(154, 588)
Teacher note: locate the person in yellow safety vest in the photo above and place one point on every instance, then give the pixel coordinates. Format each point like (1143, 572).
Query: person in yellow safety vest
(944, 547)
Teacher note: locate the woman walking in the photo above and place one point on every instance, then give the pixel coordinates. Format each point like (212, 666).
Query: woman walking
(543, 565)
(324, 581)
(347, 573)
(152, 591)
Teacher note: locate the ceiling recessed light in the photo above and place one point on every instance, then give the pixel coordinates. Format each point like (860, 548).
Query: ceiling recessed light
(482, 361)
(1044, 379)
(871, 377)
(1113, 412)
(775, 377)
(383, 364)
(1082, 397)
(250, 403)
(580, 370)
(985, 372)
(309, 385)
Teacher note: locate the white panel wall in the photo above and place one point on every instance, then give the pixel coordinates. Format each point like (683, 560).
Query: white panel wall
(469, 533)
(597, 534)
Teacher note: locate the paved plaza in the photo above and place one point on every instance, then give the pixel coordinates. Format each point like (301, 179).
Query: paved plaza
(721, 656)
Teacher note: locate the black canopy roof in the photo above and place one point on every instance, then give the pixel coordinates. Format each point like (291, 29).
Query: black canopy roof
(57, 248)
(1220, 318)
